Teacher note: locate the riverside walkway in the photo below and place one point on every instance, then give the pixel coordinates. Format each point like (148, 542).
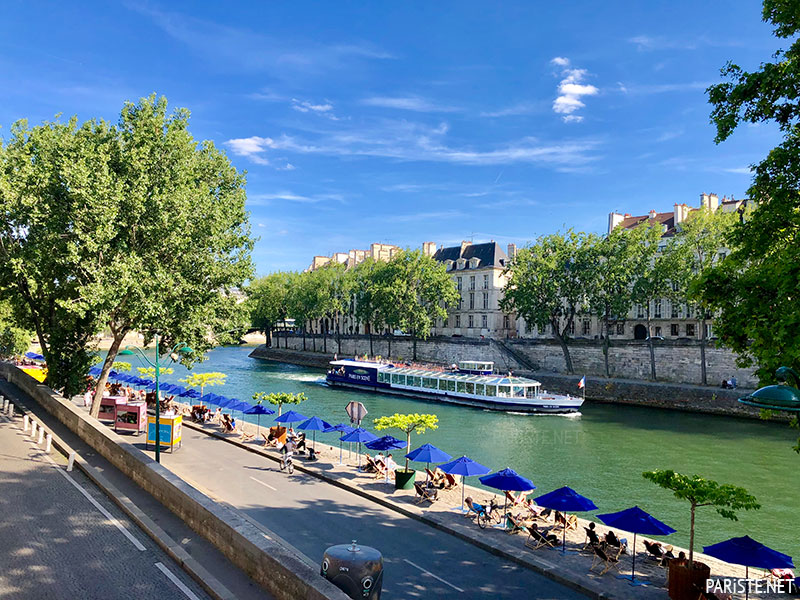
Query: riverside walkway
(63, 539)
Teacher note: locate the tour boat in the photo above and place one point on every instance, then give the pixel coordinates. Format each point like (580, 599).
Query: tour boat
(472, 383)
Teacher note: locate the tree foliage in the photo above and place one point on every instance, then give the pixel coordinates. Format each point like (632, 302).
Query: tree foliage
(14, 340)
(133, 226)
(279, 398)
(408, 424)
(755, 290)
(204, 380)
(725, 498)
(549, 281)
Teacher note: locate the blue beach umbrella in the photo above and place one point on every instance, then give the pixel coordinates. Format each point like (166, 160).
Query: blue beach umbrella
(466, 467)
(190, 393)
(257, 410)
(210, 399)
(290, 417)
(428, 453)
(178, 390)
(360, 435)
(341, 428)
(314, 424)
(636, 521)
(507, 480)
(565, 499)
(386, 442)
(34, 356)
(95, 371)
(748, 552)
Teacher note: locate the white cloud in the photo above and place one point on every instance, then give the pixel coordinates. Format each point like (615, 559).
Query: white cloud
(413, 103)
(645, 43)
(739, 170)
(522, 108)
(252, 148)
(304, 106)
(661, 88)
(571, 89)
(289, 196)
(287, 167)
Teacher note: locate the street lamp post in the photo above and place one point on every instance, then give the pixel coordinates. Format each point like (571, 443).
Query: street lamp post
(182, 349)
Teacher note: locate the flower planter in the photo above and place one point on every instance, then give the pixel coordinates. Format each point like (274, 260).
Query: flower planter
(404, 480)
(685, 584)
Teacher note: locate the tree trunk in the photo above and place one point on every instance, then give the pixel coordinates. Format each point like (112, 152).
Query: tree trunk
(703, 375)
(339, 334)
(606, 344)
(325, 339)
(269, 337)
(101, 381)
(691, 540)
(414, 344)
(390, 345)
(408, 448)
(304, 336)
(650, 346)
(370, 342)
(564, 348)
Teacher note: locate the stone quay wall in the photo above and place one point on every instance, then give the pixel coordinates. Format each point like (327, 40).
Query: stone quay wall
(676, 361)
(278, 570)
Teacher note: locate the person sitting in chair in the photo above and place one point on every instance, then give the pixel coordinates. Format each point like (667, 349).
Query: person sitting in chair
(551, 538)
(300, 440)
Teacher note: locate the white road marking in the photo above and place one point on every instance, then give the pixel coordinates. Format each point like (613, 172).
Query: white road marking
(98, 506)
(456, 588)
(264, 484)
(174, 579)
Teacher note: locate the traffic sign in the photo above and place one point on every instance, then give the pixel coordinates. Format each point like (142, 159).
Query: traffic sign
(356, 411)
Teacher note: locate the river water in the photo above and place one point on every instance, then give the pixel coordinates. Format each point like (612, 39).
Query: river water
(600, 453)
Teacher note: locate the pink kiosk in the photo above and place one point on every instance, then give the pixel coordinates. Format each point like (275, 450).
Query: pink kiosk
(131, 417)
(108, 408)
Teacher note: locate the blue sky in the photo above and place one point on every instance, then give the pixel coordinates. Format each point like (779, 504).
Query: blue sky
(405, 122)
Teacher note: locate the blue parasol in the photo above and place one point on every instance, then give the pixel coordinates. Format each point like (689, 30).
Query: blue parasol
(95, 371)
(257, 410)
(565, 499)
(290, 417)
(360, 435)
(341, 428)
(314, 424)
(466, 467)
(34, 356)
(386, 442)
(636, 521)
(750, 553)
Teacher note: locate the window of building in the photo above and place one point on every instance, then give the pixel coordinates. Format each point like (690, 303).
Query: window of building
(620, 328)
(471, 322)
(485, 300)
(587, 327)
(448, 264)
(471, 301)
(506, 324)
(689, 311)
(458, 320)
(708, 330)
(658, 331)
(571, 327)
(674, 330)
(484, 322)
(485, 282)
(639, 310)
(658, 306)
(690, 330)
(674, 310)
(458, 283)
(472, 282)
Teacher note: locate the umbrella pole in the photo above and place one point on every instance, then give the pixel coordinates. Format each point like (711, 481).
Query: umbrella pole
(747, 582)
(564, 537)
(633, 565)
(463, 479)
(258, 426)
(340, 452)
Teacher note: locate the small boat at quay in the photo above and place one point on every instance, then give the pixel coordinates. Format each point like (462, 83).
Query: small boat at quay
(471, 383)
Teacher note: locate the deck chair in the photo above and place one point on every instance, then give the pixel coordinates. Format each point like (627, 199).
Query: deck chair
(617, 545)
(514, 524)
(600, 555)
(423, 493)
(450, 481)
(537, 539)
(369, 466)
(654, 550)
(515, 500)
(570, 522)
(592, 539)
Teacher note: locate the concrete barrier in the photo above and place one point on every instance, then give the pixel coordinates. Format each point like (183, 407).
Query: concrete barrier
(281, 572)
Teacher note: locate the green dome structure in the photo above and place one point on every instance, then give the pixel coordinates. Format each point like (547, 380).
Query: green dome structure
(777, 397)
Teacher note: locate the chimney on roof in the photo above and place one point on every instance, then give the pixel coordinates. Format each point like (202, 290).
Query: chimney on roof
(614, 219)
(713, 202)
(653, 213)
(512, 251)
(680, 213)
(428, 248)
(464, 245)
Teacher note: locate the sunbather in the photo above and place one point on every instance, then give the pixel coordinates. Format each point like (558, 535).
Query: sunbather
(514, 523)
(541, 538)
(592, 539)
(515, 500)
(619, 545)
(654, 550)
(425, 493)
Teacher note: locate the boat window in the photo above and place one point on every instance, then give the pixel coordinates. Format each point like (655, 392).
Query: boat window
(461, 386)
(519, 391)
(451, 385)
(381, 375)
(429, 382)
(470, 387)
(401, 380)
(530, 392)
(503, 390)
(417, 381)
(491, 390)
(480, 389)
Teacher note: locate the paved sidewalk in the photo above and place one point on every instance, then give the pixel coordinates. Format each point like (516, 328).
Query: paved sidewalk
(63, 539)
(237, 582)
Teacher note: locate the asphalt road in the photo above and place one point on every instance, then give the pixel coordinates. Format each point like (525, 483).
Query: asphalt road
(61, 538)
(420, 561)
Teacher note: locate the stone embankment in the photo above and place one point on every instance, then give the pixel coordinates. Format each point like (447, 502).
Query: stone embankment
(673, 396)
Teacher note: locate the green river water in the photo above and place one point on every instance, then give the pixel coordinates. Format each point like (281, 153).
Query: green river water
(600, 453)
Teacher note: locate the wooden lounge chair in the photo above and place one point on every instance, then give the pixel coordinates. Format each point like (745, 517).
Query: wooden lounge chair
(600, 555)
(450, 481)
(369, 466)
(614, 544)
(425, 493)
(654, 550)
(514, 523)
(592, 539)
(570, 522)
(515, 500)
(537, 539)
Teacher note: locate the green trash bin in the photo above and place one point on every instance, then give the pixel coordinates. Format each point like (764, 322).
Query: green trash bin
(404, 480)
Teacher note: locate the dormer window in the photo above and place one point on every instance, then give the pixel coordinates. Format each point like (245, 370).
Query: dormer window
(474, 262)
(462, 262)
(448, 265)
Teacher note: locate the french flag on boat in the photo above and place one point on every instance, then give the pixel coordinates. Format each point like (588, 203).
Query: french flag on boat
(582, 383)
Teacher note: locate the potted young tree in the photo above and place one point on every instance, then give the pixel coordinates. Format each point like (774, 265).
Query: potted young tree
(684, 579)
(280, 398)
(404, 480)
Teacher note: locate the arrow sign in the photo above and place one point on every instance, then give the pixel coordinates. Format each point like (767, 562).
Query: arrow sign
(356, 411)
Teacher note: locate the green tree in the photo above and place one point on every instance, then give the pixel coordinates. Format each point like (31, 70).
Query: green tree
(127, 227)
(661, 266)
(701, 237)
(617, 257)
(754, 291)
(726, 499)
(408, 424)
(14, 340)
(365, 298)
(279, 399)
(549, 281)
(204, 380)
(266, 301)
(150, 372)
(119, 365)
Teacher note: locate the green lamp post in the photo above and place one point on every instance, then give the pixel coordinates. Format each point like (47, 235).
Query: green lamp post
(173, 354)
(777, 397)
